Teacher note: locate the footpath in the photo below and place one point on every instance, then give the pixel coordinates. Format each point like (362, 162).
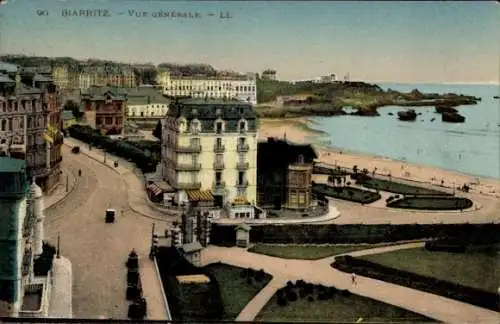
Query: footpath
(320, 272)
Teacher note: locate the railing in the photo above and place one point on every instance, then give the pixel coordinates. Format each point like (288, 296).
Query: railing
(219, 148)
(242, 148)
(242, 184)
(188, 167)
(188, 149)
(41, 285)
(188, 185)
(242, 165)
(218, 185)
(218, 165)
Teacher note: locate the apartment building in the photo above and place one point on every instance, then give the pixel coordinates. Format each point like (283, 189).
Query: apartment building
(86, 76)
(24, 290)
(66, 76)
(243, 88)
(211, 145)
(25, 113)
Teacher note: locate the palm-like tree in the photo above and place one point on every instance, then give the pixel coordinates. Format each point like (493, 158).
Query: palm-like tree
(355, 169)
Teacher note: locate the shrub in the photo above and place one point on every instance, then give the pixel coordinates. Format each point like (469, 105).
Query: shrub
(291, 296)
(345, 293)
(243, 273)
(250, 272)
(280, 292)
(289, 284)
(282, 301)
(249, 280)
(310, 299)
(302, 293)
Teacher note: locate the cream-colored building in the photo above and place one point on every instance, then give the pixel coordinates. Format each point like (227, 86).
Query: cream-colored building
(242, 88)
(66, 76)
(212, 145)
(146, 103)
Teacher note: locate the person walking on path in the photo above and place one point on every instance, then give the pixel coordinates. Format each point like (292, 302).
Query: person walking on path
(353, 279)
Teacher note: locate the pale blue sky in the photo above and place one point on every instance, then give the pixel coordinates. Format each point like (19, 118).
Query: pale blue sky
(379, 41)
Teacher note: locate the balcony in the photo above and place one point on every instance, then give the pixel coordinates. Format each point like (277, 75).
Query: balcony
(218, 165)
(242, 148)
(187, 185)
(241, 185)
(188, 167)
(219, 148)
(188, 149)
(218, 187)
(242, 165)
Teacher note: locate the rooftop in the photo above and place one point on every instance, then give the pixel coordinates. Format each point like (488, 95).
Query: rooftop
(8, 67)
(9, 165)
(285, 150)
(191, 247)
(5, 79)
(42, 78)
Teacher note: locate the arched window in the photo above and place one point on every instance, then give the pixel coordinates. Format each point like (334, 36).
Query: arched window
(300, 158)
(4, 125)
(242, 125)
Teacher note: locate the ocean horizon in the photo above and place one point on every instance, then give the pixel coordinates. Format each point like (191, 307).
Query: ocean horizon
(471, 148)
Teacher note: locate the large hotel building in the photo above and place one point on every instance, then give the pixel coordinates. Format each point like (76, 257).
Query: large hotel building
(242, 88)
(211, 146)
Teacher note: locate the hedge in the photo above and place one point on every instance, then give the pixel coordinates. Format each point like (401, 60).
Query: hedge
(447, 289)
(171, 264)
(141, 154)
(225, 235)
(346, 193)
(432, 203)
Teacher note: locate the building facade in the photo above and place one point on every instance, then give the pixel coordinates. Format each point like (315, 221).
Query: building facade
(104, 109)
(243, 88)
(112, 76)
(284, 174)
(212, 145)
(146, 103)
(197, 219)
(269, 75)
(24, 120)
(24, 291)
(65, 76)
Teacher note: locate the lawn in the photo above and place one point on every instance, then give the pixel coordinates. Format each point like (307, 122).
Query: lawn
(307, 252)
(400, 188)
(432, 203)
(472, 269)
(235, 291)
(340, 308)
(346, 193)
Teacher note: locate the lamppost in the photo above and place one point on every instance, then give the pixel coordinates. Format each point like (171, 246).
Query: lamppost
(67, 182)
(104, 157)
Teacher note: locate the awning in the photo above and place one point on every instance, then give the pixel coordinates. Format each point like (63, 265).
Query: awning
(155, 189)
(199, 195)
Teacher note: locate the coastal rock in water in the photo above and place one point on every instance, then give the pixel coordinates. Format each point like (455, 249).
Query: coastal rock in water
(441, 109)
(452, 117)
(496, 97)
(390, 114)
(409, 115)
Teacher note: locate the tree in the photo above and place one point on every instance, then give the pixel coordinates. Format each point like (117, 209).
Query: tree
(157, 130)
(74, 108)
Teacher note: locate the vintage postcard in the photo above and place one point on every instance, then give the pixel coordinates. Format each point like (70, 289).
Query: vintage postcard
(249, 161)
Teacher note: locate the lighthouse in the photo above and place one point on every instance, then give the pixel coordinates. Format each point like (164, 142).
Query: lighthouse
(37, 196)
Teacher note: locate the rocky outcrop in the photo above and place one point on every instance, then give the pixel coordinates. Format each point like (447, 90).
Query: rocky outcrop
(409, 115)
(441, 109)
(452, 117)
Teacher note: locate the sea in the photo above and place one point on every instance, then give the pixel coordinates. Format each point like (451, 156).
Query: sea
(471, 148)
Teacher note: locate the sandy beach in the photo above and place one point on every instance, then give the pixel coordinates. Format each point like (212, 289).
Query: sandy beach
(300, 130)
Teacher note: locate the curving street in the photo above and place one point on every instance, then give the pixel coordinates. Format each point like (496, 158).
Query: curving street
(98, 251)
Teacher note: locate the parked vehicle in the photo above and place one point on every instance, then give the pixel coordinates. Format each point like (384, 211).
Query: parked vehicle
(75, 149)
(110, 215)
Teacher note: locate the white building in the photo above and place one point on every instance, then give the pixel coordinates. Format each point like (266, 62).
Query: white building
(146, 103)
(212, 145)
(242, 88)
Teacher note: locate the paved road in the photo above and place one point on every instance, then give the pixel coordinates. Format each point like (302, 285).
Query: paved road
(320, 272)
(98, 251)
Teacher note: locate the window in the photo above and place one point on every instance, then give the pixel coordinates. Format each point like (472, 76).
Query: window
(302, 198)
(4, 125)
(218, 177)
(241, 177)
(195, 142)
(195, 126)
(241, 141)
(242, 126)
(219, 158)
(142, 113)
(218, 142)
(218, 127)
(300, 159)
(108, 120)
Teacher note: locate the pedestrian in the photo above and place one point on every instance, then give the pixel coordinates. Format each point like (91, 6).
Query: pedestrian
(80, 173)
(353, 279)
